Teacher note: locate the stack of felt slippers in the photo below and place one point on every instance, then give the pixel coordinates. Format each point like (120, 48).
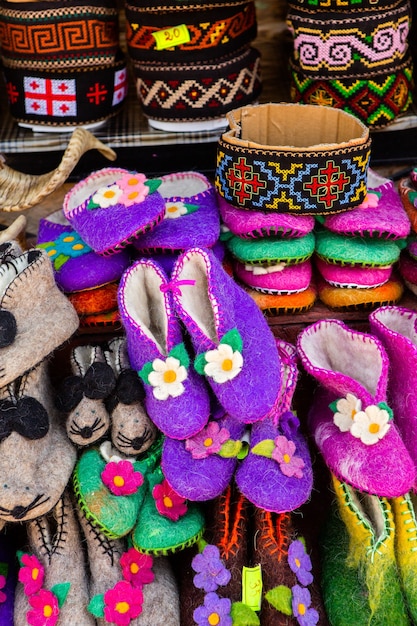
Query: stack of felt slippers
(192, 62)
(356, 251)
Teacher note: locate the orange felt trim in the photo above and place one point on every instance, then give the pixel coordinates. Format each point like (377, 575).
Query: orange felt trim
(289, 303)
(340, 298)
(109, 318)
(229, 541)
(274, 535)
(92, 301)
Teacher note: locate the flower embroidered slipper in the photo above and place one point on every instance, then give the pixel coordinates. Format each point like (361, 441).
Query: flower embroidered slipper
(349, 419)
(191, 216)
(260, 224)
(36, 317)
(278, 279)
(235, 348)
(360, 579)
(53, 583)
(271, 250)
(167, 522)
(176, 398)
(81, 396)
(201, 467)
(110, 489)
(113, 196)
(352, 276)
(354, 298)
(36, 456)
(380, 215)
(404, 513)
(76, 266)
(396, 327)
(132, 431)
(287, 304)
(128, 588)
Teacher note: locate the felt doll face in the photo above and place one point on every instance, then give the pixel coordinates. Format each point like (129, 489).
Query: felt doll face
(132, 430)
(88, 422)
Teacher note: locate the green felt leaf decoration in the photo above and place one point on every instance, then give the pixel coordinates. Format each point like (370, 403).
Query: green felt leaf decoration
(230, 448)
(280, 598)
(19, 555)
(153, 184)
(4, 569)
(264, 448)
(243, 615)
(145, 371)
(333, 406)
(96, 605)
(384, 406)
(191, 208)
(61, 590)
(200, 363)
(60, 260)
(179, 352)
(233, 339)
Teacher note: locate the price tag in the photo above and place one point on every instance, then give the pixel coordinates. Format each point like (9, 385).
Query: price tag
(171, 37)
(252, 587)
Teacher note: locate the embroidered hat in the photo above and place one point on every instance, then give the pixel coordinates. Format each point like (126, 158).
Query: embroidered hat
(358, 251)
(113, 196)
(352, 276)
(271, 250)
(351, 368)
(191, 216)
(259, 224)
(279, 304)
(278, 157)
(275, 279)
(354, 299)
(76, 266)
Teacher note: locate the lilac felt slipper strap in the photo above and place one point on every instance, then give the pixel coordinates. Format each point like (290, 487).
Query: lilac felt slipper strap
(198, 91)
(291, 158)
(66, 97)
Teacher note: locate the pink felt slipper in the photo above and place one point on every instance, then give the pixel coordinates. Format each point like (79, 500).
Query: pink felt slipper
(349, 276)
(278, 279)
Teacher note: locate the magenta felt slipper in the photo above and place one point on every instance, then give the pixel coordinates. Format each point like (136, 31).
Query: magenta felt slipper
(396, 327)
(235, 348)
(353, 275)
(176, 398)
(113, 196)
(407, 269)
(279, 278)
(350, 420)
(191, 216)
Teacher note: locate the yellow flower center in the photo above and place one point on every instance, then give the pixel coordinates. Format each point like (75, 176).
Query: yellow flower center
(47, 610)
(374, 428)
(78, 246)
(286, 458)
(35, 573)
(297, 562)
(134, 568)
(68, 239)
(132, 181)
(301, 609)
(170, 376)
(213, 619)
(51, 252)
(122, 607)
(207, 442)
(132, 195)
(227, 365)
(353, 413)
(172, 209)
(168, 502)
(109, 193)
(119, 481)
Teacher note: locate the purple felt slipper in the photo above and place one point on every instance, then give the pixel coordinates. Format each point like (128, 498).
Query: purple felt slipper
(176, 398)
(201, 467)
(396, 327)
(8, 579)
(279, 278)
(235, 348)
(76, 265)
(112, 206)
(350, 419)
(191, 216)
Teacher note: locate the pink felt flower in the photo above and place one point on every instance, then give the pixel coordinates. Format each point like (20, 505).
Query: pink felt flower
(121, 478)
(137, 567)
(3, 596)
(31, 574)
(122, 603)
(45, 609)
(134, 189)
(371, 201)
(283, 454)
(208, 441)
(168, 502)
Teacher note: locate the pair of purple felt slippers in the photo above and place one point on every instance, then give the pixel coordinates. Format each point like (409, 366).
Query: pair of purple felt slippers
(211, 370)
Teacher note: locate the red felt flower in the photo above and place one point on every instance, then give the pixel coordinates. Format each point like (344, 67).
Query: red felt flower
(168, 502)
(137, 567)
(122, 603)
(31, 574)
(45, 609)
(121, 478)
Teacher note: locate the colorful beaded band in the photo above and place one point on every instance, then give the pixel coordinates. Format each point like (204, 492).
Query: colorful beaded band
(228, 29)
(357, 45)
(199, 91)
(293, 158)
(376, 102)
(339, 6)
(58, 35)
(66, 98)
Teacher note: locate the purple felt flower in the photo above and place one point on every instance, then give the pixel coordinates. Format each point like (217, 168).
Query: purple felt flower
(301, 600)
(211, 572)
(214, 611)
(300, 562)
(283, 454)
(208, 441)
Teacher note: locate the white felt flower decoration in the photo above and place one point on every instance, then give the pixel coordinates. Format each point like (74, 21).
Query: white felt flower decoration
(346, 409)
(370, 425)
(175, 209)
(167, 377)
(223, 363)
(107, 196)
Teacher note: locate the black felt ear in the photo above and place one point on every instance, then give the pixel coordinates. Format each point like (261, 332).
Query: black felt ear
(69, 394)
(8, 328)
(32, 420)
(129, 388)
(99, 381)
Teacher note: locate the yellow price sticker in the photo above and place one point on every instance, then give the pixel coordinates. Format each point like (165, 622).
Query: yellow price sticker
(170, 37)
(252, 587)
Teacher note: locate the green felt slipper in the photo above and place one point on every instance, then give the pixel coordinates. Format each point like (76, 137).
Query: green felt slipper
(271, 250)
(362, 251)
